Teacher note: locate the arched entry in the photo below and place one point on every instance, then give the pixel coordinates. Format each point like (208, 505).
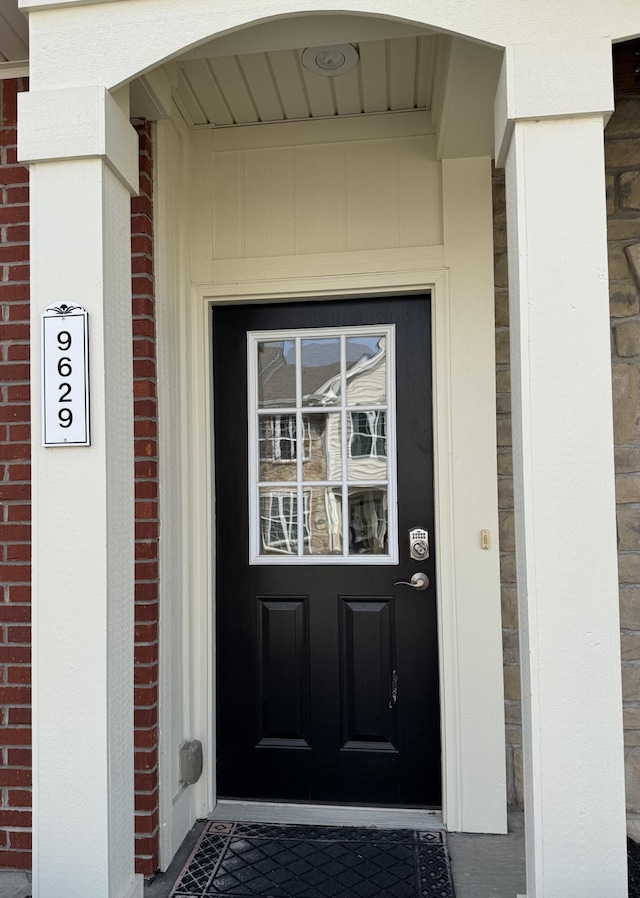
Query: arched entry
(353, 202)
(393, 242)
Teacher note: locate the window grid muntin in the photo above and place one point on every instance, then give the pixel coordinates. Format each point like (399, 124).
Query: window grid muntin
(387, 332)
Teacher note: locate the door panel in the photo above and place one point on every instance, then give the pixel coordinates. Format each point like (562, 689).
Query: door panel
(283, 672)
(327, 672)
(368, 675)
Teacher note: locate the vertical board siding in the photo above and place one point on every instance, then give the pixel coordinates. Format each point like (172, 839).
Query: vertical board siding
(320, 186)
(228, 205)
(15, 495)
(372, 195)
(373, 63)
(335, 197)
(268, 202)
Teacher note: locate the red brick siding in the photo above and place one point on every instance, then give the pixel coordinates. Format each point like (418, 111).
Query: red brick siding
(146, 486)
(15, 508)
(15, 495)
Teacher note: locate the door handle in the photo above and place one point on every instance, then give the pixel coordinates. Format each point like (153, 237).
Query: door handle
(419, 581)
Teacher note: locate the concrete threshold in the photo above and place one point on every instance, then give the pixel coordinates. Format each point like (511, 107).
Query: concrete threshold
(488, 866)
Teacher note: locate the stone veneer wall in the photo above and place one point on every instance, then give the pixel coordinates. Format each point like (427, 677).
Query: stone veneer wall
(622, 155)
(505, 502)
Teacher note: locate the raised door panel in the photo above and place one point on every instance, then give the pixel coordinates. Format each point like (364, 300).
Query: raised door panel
(368, 674)
(283, 672)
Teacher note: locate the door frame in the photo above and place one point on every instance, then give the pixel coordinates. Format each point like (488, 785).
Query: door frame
(198, 423)
(433, 282)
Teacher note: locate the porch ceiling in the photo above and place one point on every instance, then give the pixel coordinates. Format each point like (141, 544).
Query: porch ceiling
(14, 32)
(393, 74)
(256, 75)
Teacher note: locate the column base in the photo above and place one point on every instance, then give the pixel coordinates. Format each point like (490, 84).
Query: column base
(136, 887)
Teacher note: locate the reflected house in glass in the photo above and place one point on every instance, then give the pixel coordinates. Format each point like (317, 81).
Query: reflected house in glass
(315, 432)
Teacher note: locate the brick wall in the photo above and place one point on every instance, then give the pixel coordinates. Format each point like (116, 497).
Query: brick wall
(15, 495)
(15, 516)
(622, 155)
(146, 493)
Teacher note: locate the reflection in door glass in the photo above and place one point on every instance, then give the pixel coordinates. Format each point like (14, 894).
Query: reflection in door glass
(277, 374)
(367, 521)
(279, 521)
(367, 445)
(325, 521)
(320, 372)
(323, 462)
(367, 371)
(324, 458)
(278, 446)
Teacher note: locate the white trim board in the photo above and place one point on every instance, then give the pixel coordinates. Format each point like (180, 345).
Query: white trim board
(14, 69)
(325, 815)
(332, 129)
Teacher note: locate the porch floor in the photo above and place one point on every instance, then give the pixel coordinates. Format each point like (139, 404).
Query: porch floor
(483, 866)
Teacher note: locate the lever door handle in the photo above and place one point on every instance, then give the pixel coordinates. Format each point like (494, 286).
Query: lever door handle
(418, 581)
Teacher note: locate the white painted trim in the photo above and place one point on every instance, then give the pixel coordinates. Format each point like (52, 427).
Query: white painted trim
(136, 889)
(529, 79)
(334, 129)
(79, 41)
(325, 814)
(17, 69)
(445, 554)
(78, 123)
(25, 5)
(475, 593)
(200, 575)
(292, 276)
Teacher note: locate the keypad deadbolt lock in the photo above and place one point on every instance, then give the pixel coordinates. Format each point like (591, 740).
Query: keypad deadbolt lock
(418, 544)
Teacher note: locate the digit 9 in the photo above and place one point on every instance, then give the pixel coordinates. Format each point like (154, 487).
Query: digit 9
(64, 340)
(65, 416)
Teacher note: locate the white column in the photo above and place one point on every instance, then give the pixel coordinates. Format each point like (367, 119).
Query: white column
(84, 167)
(550, 111)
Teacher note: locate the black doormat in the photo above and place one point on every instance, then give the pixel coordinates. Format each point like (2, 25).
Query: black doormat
(265, 860)
(633, 866)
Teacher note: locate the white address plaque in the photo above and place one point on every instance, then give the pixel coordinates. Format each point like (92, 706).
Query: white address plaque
(65, 376)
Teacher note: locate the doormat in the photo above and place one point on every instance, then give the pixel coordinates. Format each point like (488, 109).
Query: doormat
(247, 860)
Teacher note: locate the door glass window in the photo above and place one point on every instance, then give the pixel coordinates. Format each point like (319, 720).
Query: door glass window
(322, 445)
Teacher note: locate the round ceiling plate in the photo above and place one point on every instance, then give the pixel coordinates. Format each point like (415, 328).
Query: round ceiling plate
(332, 61)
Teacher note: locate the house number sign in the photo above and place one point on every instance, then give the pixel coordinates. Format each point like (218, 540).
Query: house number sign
(65, 376)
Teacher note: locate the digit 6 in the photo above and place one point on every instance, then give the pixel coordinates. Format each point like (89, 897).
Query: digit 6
(64, 366)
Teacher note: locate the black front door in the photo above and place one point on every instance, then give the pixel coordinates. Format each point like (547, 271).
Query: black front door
(327, 672)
